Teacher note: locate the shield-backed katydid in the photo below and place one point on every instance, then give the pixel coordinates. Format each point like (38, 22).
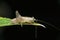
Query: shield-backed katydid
(23, 20)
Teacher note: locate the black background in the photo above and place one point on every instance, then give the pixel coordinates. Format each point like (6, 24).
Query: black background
(47, 10)
(40, 9)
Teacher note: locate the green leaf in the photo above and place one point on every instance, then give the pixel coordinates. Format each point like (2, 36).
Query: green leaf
(5, 21)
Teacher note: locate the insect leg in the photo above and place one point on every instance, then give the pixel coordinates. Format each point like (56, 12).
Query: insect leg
(21, 24)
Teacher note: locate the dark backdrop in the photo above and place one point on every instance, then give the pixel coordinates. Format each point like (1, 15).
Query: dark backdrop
(46, 10)
(43, 9)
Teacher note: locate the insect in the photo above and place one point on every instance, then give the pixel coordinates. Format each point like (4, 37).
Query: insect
(24, 19)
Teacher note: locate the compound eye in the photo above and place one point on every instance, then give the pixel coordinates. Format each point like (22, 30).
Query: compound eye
(33, 17)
